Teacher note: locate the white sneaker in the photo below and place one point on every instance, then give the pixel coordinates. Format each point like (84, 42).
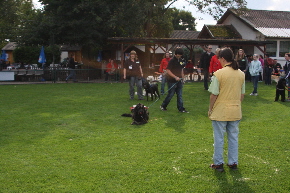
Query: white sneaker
(256, 94)
(252, 94)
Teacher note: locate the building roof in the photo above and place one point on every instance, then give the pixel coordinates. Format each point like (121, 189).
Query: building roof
(270, 23)
(10, 46)
(180, 34)
(219, 31)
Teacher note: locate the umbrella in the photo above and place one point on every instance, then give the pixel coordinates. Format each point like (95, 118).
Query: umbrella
(42, 58)
(3, 55)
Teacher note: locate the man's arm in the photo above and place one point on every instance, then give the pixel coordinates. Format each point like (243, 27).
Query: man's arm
(124, 71)
(172, 75)
(242, 97)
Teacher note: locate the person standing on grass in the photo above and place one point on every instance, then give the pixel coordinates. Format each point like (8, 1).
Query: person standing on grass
(162, 70)
(227, 92)
(268, 66)
(261, 59)
(175, 81)
(287, 73)
(72, 71)
(204, 64)
(255, 68)
(133, 71)
(215, 63)
(242, 60)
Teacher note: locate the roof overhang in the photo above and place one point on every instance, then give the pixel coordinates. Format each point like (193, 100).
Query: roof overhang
(152, 41)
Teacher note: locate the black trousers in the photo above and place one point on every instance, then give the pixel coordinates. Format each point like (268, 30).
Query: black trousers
(205, 78)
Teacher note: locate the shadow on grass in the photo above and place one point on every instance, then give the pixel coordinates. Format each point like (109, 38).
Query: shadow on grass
(238, 183)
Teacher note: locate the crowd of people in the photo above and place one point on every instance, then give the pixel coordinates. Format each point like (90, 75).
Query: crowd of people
(227, 74)
(255, 67)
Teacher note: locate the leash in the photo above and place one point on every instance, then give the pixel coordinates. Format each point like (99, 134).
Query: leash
(165, 93)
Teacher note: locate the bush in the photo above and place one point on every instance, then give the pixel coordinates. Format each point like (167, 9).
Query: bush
(30, 54)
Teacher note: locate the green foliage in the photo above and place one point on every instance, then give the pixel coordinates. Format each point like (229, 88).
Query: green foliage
(26, 54)
(30, 54)
(182, 20)
(218, 7)
(14, 14)
(71, 138)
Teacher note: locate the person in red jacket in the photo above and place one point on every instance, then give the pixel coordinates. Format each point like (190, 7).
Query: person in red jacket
(189, 69)
(111, 69)
(162, 70)
(215, 63)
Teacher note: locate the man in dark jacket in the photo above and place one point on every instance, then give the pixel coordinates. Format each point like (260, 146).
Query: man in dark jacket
(204, 64)
(175, 78)
(72, 72)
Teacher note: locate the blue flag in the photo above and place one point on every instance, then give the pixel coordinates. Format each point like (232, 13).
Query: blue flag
(42, 58)
(3, 55)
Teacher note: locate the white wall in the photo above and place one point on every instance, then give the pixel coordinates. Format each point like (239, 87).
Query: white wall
(245, 31)
(63, 55)
(250, 34)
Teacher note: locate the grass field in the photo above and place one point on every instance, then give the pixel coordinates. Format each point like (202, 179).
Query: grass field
(71, 138)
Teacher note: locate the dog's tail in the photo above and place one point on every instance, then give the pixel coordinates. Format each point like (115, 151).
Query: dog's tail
(126, 115)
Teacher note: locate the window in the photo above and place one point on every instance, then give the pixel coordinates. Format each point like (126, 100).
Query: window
(284, 48)
(272, 48)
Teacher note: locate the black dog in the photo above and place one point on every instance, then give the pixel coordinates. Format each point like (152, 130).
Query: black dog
(280, 89)
(140, 115)
(150, 88)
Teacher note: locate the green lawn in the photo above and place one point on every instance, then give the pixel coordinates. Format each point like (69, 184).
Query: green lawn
(71, 138)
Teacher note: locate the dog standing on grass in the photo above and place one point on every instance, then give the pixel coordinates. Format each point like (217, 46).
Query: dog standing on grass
(150, 88)
(280, 89)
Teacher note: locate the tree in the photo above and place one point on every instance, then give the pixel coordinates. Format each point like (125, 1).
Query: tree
(13, 14)
(216, 8)
(30, 54)
(182, 20)
(89, 23)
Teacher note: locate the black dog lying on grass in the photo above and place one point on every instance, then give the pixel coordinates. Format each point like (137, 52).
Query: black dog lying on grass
(150, 88)
(140, 114)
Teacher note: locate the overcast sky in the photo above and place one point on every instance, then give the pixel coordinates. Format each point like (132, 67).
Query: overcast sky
(277, 5)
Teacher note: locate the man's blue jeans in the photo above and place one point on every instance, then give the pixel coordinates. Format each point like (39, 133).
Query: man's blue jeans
(72, 74)
(133, 80)
(255, 80)
(232, 129)
(174, 88)
(163, 81)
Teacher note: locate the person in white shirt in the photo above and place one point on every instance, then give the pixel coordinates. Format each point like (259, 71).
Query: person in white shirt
(255, 68)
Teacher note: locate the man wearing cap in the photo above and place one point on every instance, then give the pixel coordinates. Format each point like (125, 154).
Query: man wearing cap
(133, 71)
(175, 81)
